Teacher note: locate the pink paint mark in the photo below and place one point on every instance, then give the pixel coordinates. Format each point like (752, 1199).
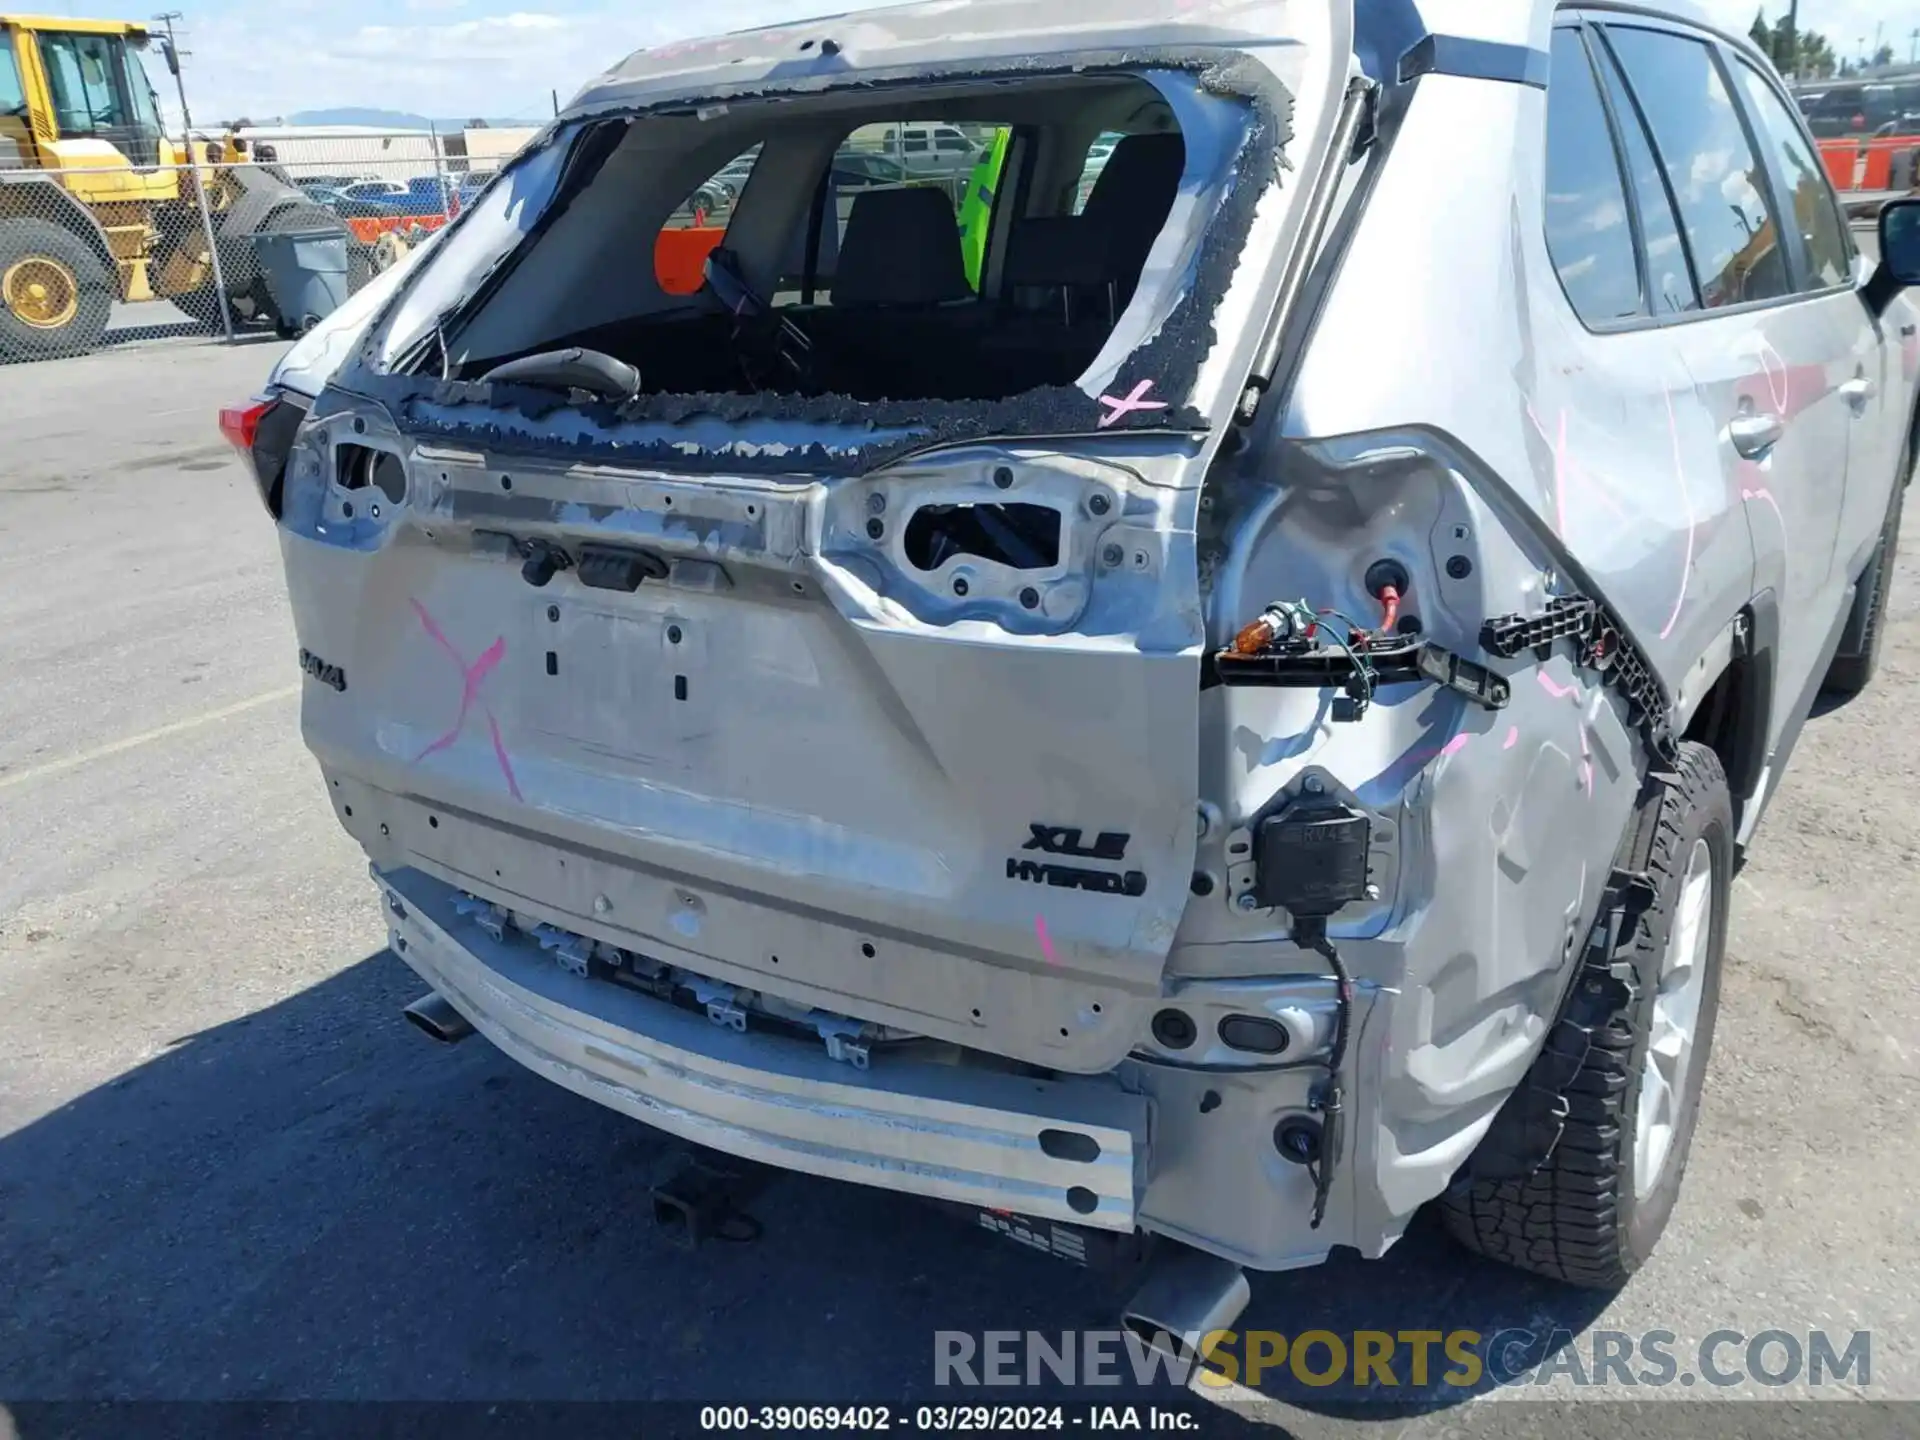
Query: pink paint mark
(471, 678)
(1455, 745)
(1680, 473)
(1559, 468)
(500, 754)
(1136, 401)
(1764, 494)
(1554, 687)
(1776, 372)
(1567, 471)
(1513, 737)
(1046, 940)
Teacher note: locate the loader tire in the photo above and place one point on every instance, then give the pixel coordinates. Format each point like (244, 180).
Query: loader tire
(55, 292)
(202, 305)
(1592, 1212)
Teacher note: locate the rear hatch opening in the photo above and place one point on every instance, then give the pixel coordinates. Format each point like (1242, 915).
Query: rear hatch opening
(1000, 254)
(829, 628)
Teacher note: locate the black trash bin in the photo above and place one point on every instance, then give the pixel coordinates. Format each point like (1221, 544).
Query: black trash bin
(306, 275)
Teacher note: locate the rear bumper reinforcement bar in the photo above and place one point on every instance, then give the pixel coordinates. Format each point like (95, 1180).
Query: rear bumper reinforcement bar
(951, 1132)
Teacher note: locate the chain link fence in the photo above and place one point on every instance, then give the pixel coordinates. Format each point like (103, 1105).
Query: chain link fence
(269, 232)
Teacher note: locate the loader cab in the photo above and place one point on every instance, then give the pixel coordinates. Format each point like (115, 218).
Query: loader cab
(80, 87)
(16, 138)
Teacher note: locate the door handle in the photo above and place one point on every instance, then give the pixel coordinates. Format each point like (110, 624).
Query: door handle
(1754, 435)
(1858, 392)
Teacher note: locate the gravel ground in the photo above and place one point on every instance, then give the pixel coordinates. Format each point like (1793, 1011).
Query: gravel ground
(228, 1170)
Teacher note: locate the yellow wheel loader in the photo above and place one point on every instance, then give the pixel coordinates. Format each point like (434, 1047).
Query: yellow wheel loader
(97, 203)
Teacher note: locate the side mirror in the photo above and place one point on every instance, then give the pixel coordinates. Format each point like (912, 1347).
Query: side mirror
(172, 59)
(1899, 254)
(1900, 240)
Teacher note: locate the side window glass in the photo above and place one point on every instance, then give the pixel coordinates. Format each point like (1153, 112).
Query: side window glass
(80, 69)
(1669, 276)
(1829, 254)
(699, 225)
(1716, 178)
(1098, 154)
(1588, 233)
(13, 98)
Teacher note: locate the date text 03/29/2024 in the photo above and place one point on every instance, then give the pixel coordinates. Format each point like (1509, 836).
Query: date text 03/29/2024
(949, 1419)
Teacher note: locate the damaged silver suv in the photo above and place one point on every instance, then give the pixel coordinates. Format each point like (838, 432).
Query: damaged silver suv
(1207, 679)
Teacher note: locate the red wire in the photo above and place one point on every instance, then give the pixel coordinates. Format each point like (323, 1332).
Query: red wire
(1390, 609)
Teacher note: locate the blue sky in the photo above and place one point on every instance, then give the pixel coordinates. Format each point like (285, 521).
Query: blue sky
(456, 58)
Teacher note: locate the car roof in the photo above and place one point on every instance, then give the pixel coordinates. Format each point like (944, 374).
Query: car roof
(832, 49)
(993, 32)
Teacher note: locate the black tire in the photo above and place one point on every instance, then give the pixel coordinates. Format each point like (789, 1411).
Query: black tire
(1579, 1217)
(202, 305)
(1858, 660)
(25, 241)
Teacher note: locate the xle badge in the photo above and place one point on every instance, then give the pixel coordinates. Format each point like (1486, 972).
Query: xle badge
(323, 671)
(1066, 840)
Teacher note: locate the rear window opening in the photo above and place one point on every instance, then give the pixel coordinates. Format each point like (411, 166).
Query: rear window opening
(1021, 537)
(977, 242)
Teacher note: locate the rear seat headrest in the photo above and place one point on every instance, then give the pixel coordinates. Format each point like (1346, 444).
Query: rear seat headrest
(1048, 250)
(1139, 180)
(1131, 201)
(901, 247)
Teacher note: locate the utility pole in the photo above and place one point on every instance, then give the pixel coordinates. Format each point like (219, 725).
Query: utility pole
(1913, 51)
(173, 54)
(556, 94)
(1793, 40)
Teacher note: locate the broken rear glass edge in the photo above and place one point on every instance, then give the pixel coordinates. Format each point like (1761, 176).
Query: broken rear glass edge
(774, 433)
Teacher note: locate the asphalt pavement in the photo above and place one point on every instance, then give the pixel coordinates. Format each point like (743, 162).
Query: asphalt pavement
(230, 1171)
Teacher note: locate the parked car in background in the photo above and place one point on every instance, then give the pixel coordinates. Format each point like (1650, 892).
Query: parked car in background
(933, 149)
(381, 190)
(862, 170)
(349, 208)
(1866, 109)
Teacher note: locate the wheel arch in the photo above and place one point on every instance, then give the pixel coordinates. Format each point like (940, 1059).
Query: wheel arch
(1727, 700)
(39, 198)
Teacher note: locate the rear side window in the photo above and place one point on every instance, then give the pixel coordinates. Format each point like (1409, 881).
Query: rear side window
(1718, 182)
(1669, 275)
(699, 225)
(1829, 256)
(1588, 232)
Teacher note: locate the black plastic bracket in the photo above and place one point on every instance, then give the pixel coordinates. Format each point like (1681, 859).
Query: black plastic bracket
(1600, 645)
(602, 567)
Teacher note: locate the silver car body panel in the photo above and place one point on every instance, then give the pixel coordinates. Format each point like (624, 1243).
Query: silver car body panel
(794, 764)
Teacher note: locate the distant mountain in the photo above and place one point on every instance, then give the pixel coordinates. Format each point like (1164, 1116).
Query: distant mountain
(381, 119)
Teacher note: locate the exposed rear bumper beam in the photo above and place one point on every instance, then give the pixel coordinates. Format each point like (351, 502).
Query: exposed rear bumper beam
(948, 1132)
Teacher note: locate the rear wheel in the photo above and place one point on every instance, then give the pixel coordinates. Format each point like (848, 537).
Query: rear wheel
(55, 292)
(1593, 1211)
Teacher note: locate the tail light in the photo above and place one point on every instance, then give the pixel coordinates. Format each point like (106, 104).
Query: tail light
(262, 430)
(241, 425)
